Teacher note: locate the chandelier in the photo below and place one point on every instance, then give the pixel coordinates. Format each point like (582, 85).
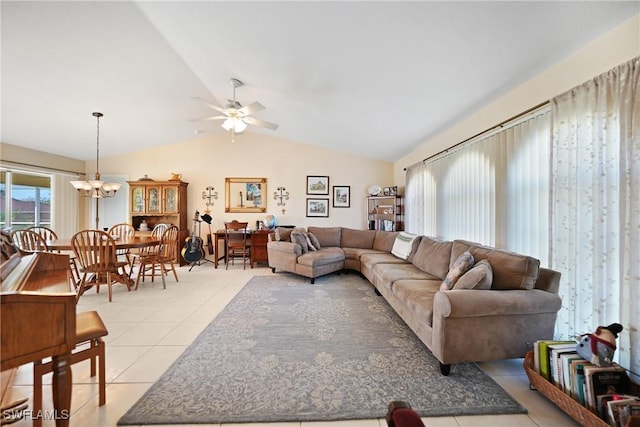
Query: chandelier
(96, 188)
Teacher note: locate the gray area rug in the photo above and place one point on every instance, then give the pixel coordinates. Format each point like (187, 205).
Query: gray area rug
(286, 350)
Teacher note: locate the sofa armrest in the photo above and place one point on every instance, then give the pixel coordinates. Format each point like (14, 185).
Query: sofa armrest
(481, 303)
(286, 247)
(482, 325)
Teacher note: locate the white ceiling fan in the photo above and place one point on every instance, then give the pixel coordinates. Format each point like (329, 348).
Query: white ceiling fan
(235, 116)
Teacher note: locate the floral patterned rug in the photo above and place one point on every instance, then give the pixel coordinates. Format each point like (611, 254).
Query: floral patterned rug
(286, 350)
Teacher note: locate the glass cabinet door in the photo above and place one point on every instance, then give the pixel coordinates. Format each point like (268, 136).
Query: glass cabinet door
(137, 199)
(153, 200)
(170, 200)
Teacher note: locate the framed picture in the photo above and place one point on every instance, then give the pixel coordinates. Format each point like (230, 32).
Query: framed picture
(318, 207)
(341, 196)
(245, 195)
(385, 191)
(318, 185)
(393, 191)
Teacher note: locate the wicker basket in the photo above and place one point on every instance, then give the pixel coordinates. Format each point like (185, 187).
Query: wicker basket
(573, 408)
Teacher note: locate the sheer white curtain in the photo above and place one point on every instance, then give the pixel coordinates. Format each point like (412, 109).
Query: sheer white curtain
(414, 201)
(494, 189)
(596, 206)
(64, 205)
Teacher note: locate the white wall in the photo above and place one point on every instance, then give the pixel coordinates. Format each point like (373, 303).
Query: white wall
(208, 161)
(610, 50)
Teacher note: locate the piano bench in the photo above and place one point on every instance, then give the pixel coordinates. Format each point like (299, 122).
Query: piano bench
(89, 330)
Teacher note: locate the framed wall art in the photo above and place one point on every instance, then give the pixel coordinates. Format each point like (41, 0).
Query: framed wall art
(318, 185)
(341, 196)
(245, 194)
(318, 208)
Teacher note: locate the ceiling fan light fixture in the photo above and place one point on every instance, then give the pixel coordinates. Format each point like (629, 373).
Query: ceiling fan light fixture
(235, 124)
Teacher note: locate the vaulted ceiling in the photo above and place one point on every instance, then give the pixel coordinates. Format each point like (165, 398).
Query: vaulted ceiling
(371, 77)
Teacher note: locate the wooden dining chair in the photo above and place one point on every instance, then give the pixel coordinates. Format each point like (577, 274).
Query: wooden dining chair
(95, 252)
(28, 241)
(123, 231)
(160, 259)
(236, 242)
(48, 234)
(89, 345)
(45, 232)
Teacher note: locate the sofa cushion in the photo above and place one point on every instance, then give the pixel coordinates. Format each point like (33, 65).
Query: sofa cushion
(510, 270)
(389, 273)
(417, 296)
(327, 236)
(384, 240)
(403, 246)
(362, 239)
(322, 256)
(480, 276)
(463, 263)
(433, 256)
(369, 260)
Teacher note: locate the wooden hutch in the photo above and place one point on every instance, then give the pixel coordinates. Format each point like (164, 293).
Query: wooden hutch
(153, 202)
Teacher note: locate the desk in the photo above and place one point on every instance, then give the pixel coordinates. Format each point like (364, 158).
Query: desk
(258, 241)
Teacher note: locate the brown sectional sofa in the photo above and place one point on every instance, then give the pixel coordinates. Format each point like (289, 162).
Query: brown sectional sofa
(456, 325)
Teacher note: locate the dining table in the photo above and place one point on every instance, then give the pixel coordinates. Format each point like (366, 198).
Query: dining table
(135, 242)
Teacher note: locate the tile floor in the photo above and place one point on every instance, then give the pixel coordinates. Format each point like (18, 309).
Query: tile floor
(149, 328)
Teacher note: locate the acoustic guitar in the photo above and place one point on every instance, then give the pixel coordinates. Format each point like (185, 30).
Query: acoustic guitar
(192, 251)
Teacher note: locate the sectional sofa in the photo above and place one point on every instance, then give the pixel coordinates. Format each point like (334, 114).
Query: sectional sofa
(495, 310)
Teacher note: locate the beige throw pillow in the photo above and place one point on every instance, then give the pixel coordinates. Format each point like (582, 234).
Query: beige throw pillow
(459, 267)
(480, 276)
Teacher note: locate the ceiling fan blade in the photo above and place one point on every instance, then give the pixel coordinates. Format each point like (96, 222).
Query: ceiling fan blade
(208, 104)
(250, 109)
(203, 119)
(261, 123)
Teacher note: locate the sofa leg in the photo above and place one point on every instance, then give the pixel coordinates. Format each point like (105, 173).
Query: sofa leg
(445, 369)
(313, 280)
(273, 269)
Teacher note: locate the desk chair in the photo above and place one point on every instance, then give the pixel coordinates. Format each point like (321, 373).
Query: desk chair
(95, 252)
(89, 331)
(235, 240)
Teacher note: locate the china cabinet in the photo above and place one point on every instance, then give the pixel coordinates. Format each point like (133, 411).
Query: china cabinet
(154, 202)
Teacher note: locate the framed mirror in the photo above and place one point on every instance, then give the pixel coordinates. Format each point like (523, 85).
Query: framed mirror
(245, 194)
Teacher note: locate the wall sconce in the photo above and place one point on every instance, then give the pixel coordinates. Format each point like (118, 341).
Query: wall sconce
(281, 195)
(209, 195)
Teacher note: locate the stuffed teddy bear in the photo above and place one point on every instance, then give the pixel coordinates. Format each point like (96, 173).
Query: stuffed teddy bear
(599, 347)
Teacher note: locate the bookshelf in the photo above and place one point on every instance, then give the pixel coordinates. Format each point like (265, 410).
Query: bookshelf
(385, 213)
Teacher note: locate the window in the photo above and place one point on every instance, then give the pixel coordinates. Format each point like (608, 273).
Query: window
(25, 199)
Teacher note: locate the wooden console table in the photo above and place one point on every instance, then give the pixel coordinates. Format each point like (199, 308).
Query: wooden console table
(258, 239)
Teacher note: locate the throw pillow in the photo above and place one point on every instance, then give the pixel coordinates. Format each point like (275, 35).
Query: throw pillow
(459, 267)
(480, 276)
(403, 245)
(314, 240)
(283, 234)
(309, 242)
(298, 237)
